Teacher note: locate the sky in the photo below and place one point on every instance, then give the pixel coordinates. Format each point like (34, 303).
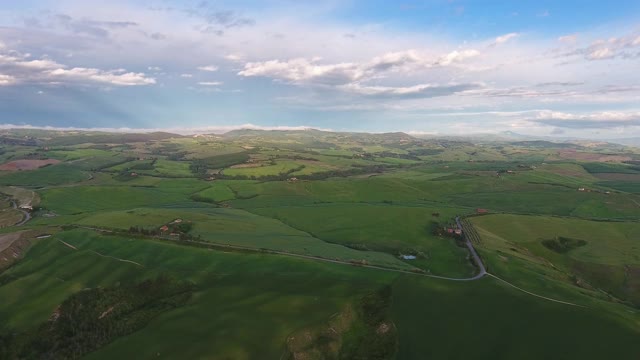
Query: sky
(566, 68)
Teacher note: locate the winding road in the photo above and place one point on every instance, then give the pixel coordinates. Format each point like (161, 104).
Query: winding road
(209, 244)
(27, 215)
(474, 254)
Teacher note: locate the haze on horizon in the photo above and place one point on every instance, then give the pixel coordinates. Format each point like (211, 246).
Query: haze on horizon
(543, 68)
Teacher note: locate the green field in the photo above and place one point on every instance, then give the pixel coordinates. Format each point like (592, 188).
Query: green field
(279, 167)
(245, 305)
(606, 259)
(393, 229)
(211, 250)
(48, 175)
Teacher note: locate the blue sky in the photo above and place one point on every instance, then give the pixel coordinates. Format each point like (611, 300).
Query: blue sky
(564, 68)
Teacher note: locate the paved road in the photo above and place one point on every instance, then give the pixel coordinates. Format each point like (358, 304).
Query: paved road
(26, 214)
(482, 273)
(474, 254)
(311, 257)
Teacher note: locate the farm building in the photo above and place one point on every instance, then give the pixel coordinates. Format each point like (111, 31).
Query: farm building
(164, 228)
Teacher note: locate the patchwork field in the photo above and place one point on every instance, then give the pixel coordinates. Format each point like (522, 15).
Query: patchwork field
(27, 164)
(317, 245)
(595, 256)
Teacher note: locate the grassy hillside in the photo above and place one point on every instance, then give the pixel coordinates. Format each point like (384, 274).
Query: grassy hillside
(158, 245)
(246, 305)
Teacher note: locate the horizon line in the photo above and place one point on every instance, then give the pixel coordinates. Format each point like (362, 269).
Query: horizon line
(223, 129)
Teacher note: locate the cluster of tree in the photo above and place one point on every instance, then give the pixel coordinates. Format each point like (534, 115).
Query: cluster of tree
(35, 155)
(389, 154)
(28, 141)
(276, 177)
(171, 151)
(182, 229)
(439, 229)
(374, 335)
(145, 165)
(562, 244)
(295, 157)
(144, 231)
(425, 152)
(199, 167)
(93, 318)
(355, 170)
(177, 155)
(111, 164)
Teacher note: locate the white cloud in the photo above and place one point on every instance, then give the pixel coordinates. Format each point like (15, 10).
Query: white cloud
(416, 91)
(115, 77)
(388, 67)
(605, 120)
(568, 39)
(625, 47)
(600, 53)
(20, 60)
(457, 56)
(209, 68)
(154, 68)
(421, 133)
(298, 70)
(39, 64)
(210, 83)
(20, 69)
(7, 80)
(311, 70)
(234, 57)
(504, 38)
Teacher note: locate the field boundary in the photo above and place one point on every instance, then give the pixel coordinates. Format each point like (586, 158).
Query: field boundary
(532, 294)
(482, 273)
(277, 252)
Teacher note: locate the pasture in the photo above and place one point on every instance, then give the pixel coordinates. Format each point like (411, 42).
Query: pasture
(49, 175)
(246, 305)
(393, 229)
(275, 263)
(603, 265)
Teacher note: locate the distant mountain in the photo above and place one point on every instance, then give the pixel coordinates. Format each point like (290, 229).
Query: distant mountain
(626, 141)
(81, 137)
(304, 136)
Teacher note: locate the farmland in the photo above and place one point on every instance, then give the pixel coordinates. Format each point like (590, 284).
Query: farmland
(294, 244)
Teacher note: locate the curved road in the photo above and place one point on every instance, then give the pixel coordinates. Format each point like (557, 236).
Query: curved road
(27, 215)
(482, 273)
(474, 254)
